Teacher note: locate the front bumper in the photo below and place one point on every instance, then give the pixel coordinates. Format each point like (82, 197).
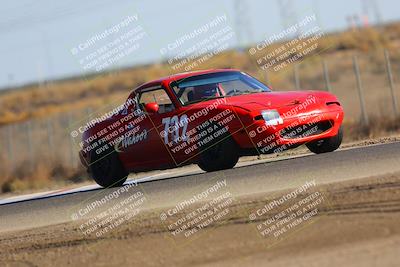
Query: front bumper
(292, 132)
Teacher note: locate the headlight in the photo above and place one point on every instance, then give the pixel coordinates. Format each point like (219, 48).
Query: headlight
(271, 117)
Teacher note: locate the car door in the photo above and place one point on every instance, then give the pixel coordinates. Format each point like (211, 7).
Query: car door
(152, 153)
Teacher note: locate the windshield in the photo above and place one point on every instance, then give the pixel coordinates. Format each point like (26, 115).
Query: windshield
(216, 85)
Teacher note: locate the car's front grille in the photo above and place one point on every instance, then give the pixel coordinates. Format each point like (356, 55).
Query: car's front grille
(306, 130)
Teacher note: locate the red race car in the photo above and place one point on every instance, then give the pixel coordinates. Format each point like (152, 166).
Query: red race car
(210, 118)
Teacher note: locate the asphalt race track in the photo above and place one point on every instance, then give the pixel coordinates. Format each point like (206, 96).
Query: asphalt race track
(167, 190)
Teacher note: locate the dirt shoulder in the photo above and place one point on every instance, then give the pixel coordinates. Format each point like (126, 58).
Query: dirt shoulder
(356, 225)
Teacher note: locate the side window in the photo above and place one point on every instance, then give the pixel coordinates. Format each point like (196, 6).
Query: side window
(158, 96)
(187, 95)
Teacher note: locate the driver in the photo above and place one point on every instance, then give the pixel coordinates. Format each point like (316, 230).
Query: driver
(206, 91)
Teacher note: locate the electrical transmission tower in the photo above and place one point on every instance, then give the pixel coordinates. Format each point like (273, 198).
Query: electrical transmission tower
(287, 13)
(369, 8)
(244, 34)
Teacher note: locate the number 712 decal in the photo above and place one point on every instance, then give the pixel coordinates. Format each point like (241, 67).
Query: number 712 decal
(172, 126)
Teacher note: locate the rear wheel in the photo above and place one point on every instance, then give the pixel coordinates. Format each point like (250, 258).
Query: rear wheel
(221, 156)
(326, 145)
(107, 169)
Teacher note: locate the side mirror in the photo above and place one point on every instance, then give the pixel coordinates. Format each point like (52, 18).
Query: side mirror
(151, 108)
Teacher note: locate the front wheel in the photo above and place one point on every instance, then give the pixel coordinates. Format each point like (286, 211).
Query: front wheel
(107, 170)
(221, 156)
(326, 145)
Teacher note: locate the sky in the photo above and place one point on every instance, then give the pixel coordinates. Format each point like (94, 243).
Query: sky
(38, 37)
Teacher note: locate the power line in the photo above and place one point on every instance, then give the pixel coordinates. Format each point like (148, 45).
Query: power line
(27, 20)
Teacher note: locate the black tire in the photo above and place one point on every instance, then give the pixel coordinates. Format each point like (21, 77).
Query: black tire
(107, 170)
(326, 145)
(220, 156)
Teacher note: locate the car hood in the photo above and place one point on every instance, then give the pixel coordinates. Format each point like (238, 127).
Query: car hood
(288, 104)
(271, 100)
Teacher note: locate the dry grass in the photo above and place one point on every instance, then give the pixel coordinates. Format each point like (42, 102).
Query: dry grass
(378, 127)
(42, 176)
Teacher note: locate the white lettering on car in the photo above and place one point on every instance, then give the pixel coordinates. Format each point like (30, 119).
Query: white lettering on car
(130, 140)
(172, 126)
